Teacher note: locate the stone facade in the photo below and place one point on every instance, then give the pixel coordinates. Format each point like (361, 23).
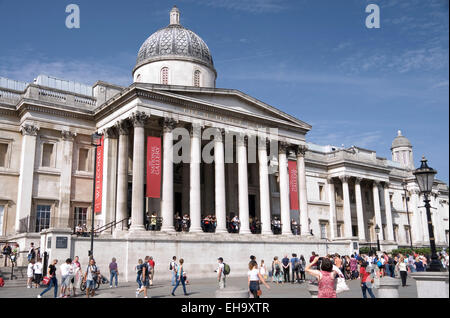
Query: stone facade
(47, 164)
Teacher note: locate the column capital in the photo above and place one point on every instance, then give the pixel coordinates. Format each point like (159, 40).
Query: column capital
(386, 184)
(376, 183)
(123, 126)
(358, 180)
(195, 130)
(111, 132)
(242, 139)
(300, 150)
(68, 135)
(29, 129)
(263, 143)
(330, 180)
(344, 178)
(283, 147)
(139, 118)
(168, 124)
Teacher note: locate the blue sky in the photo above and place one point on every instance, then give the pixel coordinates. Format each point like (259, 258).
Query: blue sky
(313, 59)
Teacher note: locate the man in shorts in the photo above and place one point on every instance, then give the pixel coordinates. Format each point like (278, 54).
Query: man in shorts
(90, 277)
(66, 276)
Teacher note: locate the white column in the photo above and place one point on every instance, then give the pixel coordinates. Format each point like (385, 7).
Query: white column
(25, 187)
(122, 175)
(219, 169)
(137, 198)
(284, 190)
(332, 215)
(377, 209)
(243, 184)
(437, 221)
(109, 175)
(65, 180)
(302, 194)
(195, 193)
(387, 209)
(359, 211)
(167, 187)
(347, 212)
(264, 190)
(416, 220)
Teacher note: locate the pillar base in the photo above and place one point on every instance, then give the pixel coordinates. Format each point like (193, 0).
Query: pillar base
(137, 228)
(170, 229)
(221, 231)
(267, 233)
(195, 230)
(245, 232)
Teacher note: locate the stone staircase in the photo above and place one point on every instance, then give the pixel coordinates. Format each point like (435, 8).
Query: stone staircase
(19, 278)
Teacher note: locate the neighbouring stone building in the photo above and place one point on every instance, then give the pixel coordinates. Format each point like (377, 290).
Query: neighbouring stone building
(47, 163)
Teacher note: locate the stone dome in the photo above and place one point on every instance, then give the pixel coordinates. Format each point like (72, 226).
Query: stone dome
(400, 141)
(174, 42)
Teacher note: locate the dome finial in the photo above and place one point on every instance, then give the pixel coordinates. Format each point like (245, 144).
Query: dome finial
(399, 133)
(174, 15)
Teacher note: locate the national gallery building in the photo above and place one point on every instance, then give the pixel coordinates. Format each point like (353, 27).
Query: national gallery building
(290, 196)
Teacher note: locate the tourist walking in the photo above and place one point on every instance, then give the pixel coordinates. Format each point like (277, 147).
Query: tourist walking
(254, 279)
(366, 280)
(325, 276)
(221, 277)
(286, 268)
(295, 268)
(173, 269)
(53, 280)
(37, 269)
(402, 268)
(145, 276)
(139, 274)
(263, 270)
(113, 272)
(181, 278)
(151, 262)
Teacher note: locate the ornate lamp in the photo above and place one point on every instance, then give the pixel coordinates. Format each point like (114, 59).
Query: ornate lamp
(425, 178)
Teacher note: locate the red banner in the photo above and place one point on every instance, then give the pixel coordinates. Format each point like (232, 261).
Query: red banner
(99, 178)
(293, 185)
(153, 167)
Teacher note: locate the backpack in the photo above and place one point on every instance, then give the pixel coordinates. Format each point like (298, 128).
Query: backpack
(296, 264)
(170, 266)
(226, 269)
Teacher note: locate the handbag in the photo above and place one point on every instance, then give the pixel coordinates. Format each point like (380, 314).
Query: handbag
(341, 285)
(46, 280)
(259, 292)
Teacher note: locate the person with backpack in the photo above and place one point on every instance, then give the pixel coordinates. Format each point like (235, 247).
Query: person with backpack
(295, 265)
(32, 252)
(221, 275)
(90, 277)
(277, 270)
(145, 278)
(6, 251)
(173, 269)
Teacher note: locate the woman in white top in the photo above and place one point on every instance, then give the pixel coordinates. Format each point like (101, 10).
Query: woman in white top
(263, 269)
(402, 268)
(37, 267)
(30, 273)
(254, 277)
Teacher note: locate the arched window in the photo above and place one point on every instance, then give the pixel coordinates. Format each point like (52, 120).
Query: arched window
(165, 75)
(197, 78)
(138, 78)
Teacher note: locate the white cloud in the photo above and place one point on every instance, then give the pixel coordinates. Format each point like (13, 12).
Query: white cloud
(252, 6)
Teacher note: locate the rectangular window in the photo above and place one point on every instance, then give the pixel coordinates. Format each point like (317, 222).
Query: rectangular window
(323, 230)
(83, 160)
(321, 192)
(3, 154)
(339, 229)
(396, 233)
(42, 217)
(47, 155)
(2, 214)
(354, 230)
(403, 202)
(80, 216)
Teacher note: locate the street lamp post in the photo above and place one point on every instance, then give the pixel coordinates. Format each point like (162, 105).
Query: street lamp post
(425, 177)
(404, 184)
(96, 142)
(377, 230)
